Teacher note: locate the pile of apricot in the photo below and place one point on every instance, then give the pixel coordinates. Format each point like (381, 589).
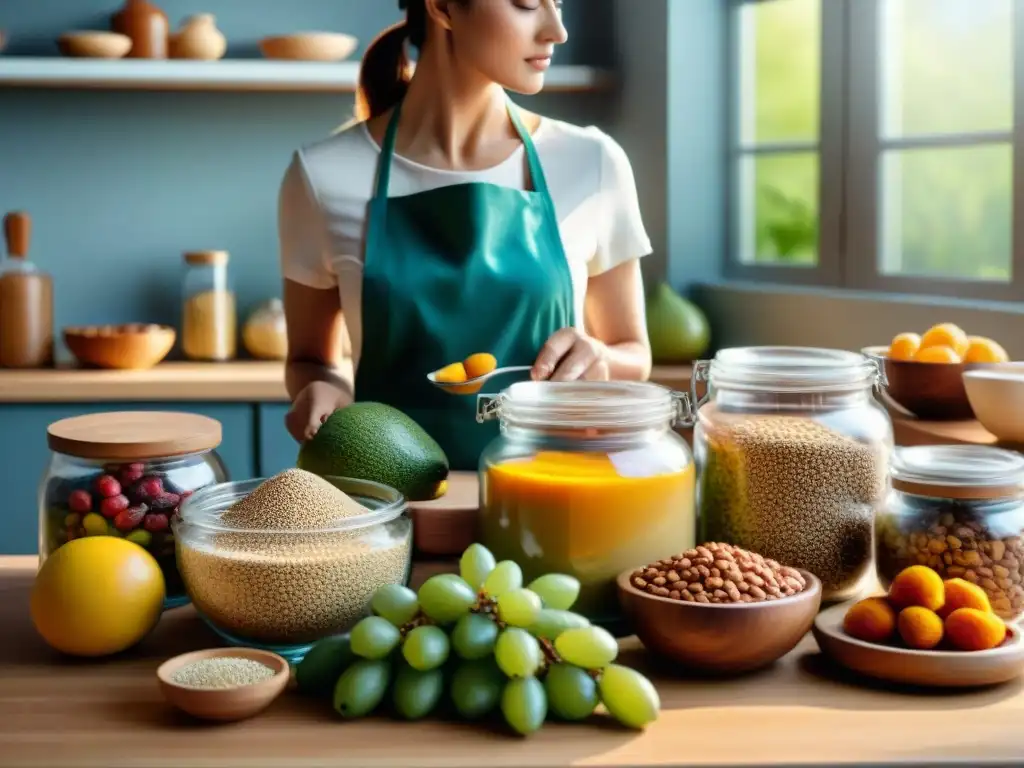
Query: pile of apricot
(474, 366)
(946, 343)
(923, 612)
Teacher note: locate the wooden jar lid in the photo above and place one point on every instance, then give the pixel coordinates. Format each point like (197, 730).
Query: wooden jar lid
(206, 258)
(134, 435)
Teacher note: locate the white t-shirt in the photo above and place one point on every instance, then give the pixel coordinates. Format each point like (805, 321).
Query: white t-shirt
(324, 196)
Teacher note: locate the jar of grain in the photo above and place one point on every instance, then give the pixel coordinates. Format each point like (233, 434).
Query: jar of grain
(587, 479)
(960, 510)
(208, 320)
(279, 563)
(126, 474)
(792, 449)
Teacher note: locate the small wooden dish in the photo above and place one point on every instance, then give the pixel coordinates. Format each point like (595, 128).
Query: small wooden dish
(940, 669)
(931, 391)
(134, 346)
(224, 704)
(728, 639)
(309, 46)
(445, 527)
(94, 44)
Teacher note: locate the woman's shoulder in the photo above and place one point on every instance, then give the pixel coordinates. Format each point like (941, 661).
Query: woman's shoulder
(588, 142)
(346, 156)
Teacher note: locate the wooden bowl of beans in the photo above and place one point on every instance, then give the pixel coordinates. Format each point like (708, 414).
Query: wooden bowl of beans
(719, 609)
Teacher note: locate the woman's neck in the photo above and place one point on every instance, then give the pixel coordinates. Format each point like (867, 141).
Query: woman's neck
(451, 117)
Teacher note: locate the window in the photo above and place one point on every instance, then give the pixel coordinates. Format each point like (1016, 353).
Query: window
(875, 144)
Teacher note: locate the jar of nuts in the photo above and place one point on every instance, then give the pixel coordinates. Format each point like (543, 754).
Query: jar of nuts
(960, 510)
(793, 451)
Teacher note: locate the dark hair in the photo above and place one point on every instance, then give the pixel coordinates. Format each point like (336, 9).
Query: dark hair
(385, 71)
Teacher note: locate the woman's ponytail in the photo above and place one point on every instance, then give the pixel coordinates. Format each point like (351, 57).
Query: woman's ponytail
(385, 72)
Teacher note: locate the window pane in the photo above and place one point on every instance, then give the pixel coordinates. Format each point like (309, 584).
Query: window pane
(947, 66)
(780, 66)
(779, 209)
(946, 213)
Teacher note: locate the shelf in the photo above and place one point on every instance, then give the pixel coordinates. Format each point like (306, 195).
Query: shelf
(225, 75)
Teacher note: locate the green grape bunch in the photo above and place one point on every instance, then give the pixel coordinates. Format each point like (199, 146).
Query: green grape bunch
(494, 645)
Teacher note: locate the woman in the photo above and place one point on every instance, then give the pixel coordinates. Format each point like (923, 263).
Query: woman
(447, 222)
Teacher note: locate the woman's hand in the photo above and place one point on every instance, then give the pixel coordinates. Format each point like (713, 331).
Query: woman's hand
(314, 404)
(571, 355)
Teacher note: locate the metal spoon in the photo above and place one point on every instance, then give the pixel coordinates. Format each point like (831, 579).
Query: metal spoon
(472, 386)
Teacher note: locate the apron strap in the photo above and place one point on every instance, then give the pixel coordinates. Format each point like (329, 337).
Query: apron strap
(387, 151)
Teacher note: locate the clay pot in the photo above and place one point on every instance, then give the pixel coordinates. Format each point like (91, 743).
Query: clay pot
(198, 38)
(146, 25)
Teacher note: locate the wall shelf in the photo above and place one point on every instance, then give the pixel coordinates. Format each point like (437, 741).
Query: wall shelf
(226, 75)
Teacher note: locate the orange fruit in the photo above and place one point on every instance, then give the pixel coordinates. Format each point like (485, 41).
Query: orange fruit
(946, 335)
(941, 354)
(97, 596)
(451, 374)
(984, 350)
(904, 346)
(479, 364)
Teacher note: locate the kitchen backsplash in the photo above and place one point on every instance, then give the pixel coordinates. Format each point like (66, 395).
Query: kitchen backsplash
(119, 184)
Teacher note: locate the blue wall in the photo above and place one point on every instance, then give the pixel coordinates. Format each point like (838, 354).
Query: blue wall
(119, 184)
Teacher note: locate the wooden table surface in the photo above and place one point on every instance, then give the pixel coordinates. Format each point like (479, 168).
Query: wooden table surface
(107, 714)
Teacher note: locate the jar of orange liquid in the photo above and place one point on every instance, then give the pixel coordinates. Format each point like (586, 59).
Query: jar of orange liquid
(587, 479)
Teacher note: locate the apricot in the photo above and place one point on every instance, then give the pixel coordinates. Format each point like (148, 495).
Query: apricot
(451, 374)
(984, 350)
(919, 628)
(479, 364)
(872, 620)
(960, 593)
(917, 585)
(939, 354)
(969, 629)
(946, 335)
(904, 346)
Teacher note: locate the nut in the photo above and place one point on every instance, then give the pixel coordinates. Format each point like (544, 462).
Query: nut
(737, 576)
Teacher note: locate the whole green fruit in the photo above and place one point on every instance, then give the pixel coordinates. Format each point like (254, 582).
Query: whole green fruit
(677, 328)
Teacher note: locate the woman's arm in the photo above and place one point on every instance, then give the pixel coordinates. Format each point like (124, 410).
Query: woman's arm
(315, 326)
(615, 345)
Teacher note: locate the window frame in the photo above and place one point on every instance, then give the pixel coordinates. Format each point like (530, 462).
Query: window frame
(850, 151)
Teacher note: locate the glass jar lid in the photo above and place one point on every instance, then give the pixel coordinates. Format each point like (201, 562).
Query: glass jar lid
(584, 404)
(958, 471)
(792, 369)
(134, 435)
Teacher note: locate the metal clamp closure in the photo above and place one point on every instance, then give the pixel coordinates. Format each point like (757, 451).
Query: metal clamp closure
(487, 407)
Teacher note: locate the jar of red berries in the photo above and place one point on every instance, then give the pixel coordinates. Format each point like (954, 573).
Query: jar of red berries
(125, 474)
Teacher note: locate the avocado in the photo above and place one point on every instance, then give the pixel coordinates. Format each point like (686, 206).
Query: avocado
(677, 328)
(318, 673)
(373, 441)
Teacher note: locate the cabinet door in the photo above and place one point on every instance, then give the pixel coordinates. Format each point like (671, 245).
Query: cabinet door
(25, 456)
(277, 449)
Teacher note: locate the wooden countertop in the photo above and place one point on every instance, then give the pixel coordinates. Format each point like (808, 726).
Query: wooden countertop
(241, 381)
(106, 714)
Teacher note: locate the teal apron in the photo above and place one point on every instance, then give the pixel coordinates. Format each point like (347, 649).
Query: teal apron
(450, 272)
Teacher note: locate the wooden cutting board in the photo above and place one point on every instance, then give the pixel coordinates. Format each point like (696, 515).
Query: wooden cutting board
(446, 526)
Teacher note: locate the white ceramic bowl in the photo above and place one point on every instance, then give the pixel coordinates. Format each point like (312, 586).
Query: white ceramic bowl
(997, 398)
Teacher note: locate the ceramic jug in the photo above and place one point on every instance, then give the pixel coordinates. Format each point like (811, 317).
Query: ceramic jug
(198, 38)
(146, 25)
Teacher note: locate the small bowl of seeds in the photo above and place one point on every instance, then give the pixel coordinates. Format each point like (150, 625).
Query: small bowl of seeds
(278, 563)
(223, 684)
(719, 609)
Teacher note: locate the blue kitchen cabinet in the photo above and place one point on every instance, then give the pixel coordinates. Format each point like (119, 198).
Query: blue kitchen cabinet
(277, 449)
(24, 455)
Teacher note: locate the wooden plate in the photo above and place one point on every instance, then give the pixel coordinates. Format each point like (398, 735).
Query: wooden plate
(446, 526)
(941, 669)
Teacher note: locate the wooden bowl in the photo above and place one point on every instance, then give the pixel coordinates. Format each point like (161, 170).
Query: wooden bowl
(134, 346)
(942, 669)
(720, 638)
(224, 704)
(94, 45)
(309, 46)
(931, 391)
(996, 395)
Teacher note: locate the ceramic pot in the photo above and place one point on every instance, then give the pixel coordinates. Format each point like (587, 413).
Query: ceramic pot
(146, 25)
(198, 38)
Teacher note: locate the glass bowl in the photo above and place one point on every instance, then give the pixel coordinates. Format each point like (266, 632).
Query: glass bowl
(282, 590)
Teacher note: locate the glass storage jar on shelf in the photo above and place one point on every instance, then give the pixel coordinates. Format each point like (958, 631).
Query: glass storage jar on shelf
(126, 474)
(958, 509)
(792, 451)
(209, 320)
(587, 479)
